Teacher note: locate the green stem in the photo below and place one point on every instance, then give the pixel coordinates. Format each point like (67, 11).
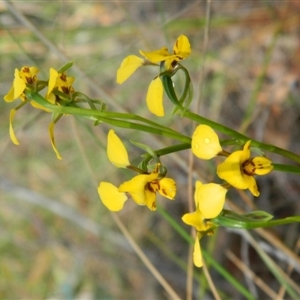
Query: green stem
(117, 119)
(286, 168)
(238, 224)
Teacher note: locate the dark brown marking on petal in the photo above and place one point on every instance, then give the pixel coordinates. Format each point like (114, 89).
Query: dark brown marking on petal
(249, 167)
(63, 77)
(65, 89)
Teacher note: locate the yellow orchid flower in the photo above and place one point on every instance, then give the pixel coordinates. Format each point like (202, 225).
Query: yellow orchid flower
(131, 63)
(63, 84)
(181, 50)
(205, 142)
(22, 78)
(142, 188)
(27, 75)
(209, 201)
(239, 169)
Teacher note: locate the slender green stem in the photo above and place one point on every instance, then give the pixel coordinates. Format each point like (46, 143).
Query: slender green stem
(117, 119)
(239, 224)
(286, 168)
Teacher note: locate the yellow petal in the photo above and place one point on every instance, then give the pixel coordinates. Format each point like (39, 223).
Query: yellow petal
(150, 197)
(128, 66)
(9, 97)
(231, 170)
(156, 56)
(262, 165)
(53, 74)
(205, 142)
(196, 220)
(51, 132)
(19, 87)
(197, 255)
(167, 188)
(38, 106)
(251, 185)
(11, 130)
(111, 197)
(137, 186)
(154, 97)
(210, 199)
(116, 151)
(33, 71)
(182, 47)
(246, 152)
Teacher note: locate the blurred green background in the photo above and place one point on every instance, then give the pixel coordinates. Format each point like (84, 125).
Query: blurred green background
(57, 240)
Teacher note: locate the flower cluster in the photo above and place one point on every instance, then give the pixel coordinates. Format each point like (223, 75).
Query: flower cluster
(59, 92)
(141, 188)
(238, 170)
(165, 60)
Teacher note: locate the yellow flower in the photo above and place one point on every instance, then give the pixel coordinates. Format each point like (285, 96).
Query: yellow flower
(60, 82)
(23, 78)
(59, 89)
(131, 63)
(59, 86)
(209, 202)
(27, 75)
(239, 169)
(116, 151)
(205, 142)
(141, 188)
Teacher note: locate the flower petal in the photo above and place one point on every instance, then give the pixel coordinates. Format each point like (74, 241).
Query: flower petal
(116, 151)
(9, 97)
(182, 47)
(150, 197)
(19, 85)
(11, 130)
(51, 133)
(111, 197)
(154, 97)
(136, 188)
(230, 170)
(205, 142)
(53, 74)
(167, 188)
(251, 185)
(197, 255)
(210, 199)
(262, 165)
(156, 56)
(128, 66)
(196, 220)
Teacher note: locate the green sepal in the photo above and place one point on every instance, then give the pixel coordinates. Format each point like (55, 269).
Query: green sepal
(65, 67)
(148, 149)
